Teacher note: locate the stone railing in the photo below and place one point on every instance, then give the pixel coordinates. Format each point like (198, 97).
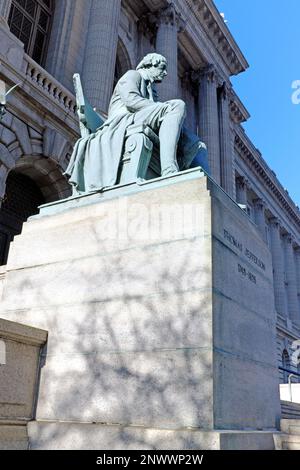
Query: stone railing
(50, 85)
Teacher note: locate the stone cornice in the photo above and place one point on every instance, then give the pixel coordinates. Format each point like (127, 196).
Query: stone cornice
(238, 111)
(22, 333)
(254, 160)
(207, 19)
(216, 29)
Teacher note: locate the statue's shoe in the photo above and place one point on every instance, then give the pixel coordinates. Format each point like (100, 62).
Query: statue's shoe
(169, 173)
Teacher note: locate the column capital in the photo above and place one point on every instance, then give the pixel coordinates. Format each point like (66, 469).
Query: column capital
(243, 182)
(211, 75)
(288, 238)
(147, 26)
(208, 73)
(169, 15)
(259, 204)
(226, 91)
(275, 222)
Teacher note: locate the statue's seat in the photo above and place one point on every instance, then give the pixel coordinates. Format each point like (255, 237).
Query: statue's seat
(140, 159)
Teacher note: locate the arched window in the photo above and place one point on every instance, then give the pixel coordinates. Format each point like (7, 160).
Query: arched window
(285, 365)
(30, 21)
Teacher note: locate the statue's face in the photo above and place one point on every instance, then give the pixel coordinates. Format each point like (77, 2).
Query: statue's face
(159, 72)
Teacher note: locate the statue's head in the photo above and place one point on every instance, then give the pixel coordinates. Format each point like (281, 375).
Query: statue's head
(156, 66)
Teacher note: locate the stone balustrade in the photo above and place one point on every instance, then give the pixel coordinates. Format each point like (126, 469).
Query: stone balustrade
(49, 85)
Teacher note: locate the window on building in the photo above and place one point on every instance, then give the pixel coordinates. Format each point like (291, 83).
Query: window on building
(30, 21)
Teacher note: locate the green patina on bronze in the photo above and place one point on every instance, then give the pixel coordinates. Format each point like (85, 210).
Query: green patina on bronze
(119, 149)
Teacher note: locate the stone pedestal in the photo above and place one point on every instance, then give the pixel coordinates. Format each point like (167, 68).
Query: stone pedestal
(158, 300)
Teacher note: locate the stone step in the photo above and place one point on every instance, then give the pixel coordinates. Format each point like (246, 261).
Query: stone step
(290, 426)
(290, 442)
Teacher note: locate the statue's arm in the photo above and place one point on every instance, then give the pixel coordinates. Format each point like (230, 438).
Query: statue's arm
(129, 89)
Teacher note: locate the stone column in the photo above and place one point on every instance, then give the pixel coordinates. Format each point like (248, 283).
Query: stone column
(5, 9)
(169, 23)
(242, 185)
(209, 120)
(259, 214)
(100, 52)
(297, 264)
(226, 141)
(278, 267)
(291, 279)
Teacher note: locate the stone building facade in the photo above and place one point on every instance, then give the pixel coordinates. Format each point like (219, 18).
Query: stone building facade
(43, 42)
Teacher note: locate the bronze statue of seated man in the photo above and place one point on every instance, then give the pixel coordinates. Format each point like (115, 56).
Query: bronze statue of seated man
(96, 158)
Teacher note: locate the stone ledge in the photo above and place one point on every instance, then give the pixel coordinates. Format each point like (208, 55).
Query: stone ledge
(22, 333)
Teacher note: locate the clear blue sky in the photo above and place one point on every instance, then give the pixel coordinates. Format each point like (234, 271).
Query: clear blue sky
(268, 33)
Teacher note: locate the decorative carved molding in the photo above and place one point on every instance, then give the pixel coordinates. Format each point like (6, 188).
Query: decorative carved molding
(210, 19)
(259, 167)
(236, 113)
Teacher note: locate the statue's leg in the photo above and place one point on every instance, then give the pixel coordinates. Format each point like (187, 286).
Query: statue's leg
(169, 134)
(166, 119)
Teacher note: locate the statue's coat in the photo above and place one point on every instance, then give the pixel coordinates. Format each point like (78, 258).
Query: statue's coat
(95, 159)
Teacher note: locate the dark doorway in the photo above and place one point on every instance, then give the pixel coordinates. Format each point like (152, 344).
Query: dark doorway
(21, 200)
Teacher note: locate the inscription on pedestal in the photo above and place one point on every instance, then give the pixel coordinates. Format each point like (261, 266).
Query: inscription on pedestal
(246, 273)
(240, 246)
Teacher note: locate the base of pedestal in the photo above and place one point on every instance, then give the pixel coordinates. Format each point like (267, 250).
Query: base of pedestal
(64, 436)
